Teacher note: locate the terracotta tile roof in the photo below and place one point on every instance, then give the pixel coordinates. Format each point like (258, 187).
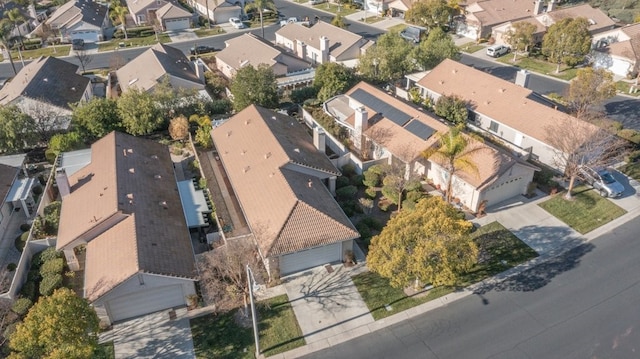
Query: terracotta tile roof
(498, 99)
(631, 30)
(625, 49)
(7, 175)
(597, 18)
(540, 29)
(248, 49)
(47, 79)
(496, 12)
(147, 70)
(130, 183)
(340, 40)
(269, 159)
(170, 11)
(402, 143)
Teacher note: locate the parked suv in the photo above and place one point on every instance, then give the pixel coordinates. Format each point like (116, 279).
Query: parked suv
(413, 33)
(602, 181)
(77, 44)
(497, 50)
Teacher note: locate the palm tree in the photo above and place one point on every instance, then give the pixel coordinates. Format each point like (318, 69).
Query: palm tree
(260, 6)
(15, 17)
(5, 32)
(454, 151)
(119, 13)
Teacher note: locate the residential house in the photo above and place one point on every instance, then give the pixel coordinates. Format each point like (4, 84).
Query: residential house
(160, 62)
(32, 19)
(383, 126)
(249, 49)
(516, 116)
(15, 191)
(122, 226)
(80, 19)
(218, 11)
(284, 185)
(499, 32)
(492, 17)
(322, 43)
(400, 7)
(45, 88)
(147, 12)
(618, 50)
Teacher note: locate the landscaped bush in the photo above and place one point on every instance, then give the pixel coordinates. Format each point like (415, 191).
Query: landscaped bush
(10, 329)
(356, 180)
(630, 135)
(347, 192)
(364, 230)
(21, 306)
(342, 181)
(350, 207)
(633, 157)
(349, 170)
(25, 227)
(37, 190)
(371, 192)
(384, 205)
(28, 290)
(372, 223)
(50, 283)
(46, 255)
(373, 176)
(52, 266)
(11, 267)
(33, 275)
(303, 94)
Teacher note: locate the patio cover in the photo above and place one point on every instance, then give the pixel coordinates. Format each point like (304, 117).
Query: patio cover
(20, 190)
(194, 204)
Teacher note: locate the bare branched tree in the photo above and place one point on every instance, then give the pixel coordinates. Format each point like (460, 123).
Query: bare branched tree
(399, 175)
(83, 57)
(47, 119)
(579, 143)
(223, 276)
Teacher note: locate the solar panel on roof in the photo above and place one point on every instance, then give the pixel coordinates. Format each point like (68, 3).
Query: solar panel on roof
(396, 116)
(420, 129)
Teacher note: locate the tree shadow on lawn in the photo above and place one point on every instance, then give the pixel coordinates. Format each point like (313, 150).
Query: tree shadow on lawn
(626, 112)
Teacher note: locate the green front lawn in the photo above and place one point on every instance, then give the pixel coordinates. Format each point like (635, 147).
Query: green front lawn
(334, 8)
(397, 28)
(539, 66)
(585, 212)
(499, 248)
(104, 351)
(632, 170)
(134, 42)
(59, 50)
(623, 87)
(471, 47)
(204, 32)
(218, 336)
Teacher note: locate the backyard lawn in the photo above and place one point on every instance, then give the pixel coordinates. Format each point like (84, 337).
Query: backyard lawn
(218, 336)
(585, 212)
(499, 248)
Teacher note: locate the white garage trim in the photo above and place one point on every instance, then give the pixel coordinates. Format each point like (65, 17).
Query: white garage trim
(503, 191)
(86, 35)
(176, 24)
(145, 302)
(295, 262)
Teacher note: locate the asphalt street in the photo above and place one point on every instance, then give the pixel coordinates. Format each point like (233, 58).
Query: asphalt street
(583, 304)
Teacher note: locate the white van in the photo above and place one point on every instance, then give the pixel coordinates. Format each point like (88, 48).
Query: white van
(497, 50)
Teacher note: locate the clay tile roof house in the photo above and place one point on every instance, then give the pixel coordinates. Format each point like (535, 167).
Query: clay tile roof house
(503, 109)
(80, 19)
(159, 62)
(145, 12)
(280, 179)
(322, 43)
(383, 127)
(250, 49)
(122, 223)
(47, 85)
(220, 11)
(618, 50)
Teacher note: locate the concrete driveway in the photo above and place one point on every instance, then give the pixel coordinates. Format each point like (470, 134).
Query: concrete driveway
(152, 336)
(326, 304)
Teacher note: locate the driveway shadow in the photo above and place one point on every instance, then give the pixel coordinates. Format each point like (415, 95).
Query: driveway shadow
(625, 111)
(629, 190)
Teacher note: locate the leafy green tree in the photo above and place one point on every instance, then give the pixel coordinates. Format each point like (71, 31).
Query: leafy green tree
(389, 59)
(62, 325)
(15, 17)
(332, 79)
(119, 14)
(520, 37)
(428, 244)
(590, 88)
(455, 153)
(139, 112)
(452, 108)
(203, 136)
(63, 142)
(256, 86)
(567, 42)
(96, 117)
(339, 22)
(260, 6)
(429, 13)
(5, 32)
(215, 83)
(437, 47)
(396, 183)
(373, 176)
(17, 129)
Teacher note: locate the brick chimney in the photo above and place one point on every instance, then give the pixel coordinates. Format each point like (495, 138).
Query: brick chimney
(537, 7)
(522, 78)
(199, 66)
(319, 139)
(324, 49)
(551, 5)
(360, 124)
(62, 180)
(301, 49)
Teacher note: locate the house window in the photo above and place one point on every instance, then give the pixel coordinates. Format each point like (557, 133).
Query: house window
(493, 127)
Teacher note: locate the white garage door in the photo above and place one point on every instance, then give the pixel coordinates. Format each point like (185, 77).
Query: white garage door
(620, 67)
(505, 191)
(179, 24)
(295, 262)
(87, 36)
(145, 302)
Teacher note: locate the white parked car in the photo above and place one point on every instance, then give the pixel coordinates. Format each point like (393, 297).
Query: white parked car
(316, 2)
(235, 22)
(497, 50)
(602, 181)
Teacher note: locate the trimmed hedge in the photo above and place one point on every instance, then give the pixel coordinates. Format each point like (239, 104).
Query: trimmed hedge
(28, 290)
(342, 181)
(21, 306)
(347, 192)
(47, 254)
(52, 266)
(49, 283)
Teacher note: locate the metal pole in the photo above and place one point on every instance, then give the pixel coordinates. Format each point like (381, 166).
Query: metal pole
(253, 312)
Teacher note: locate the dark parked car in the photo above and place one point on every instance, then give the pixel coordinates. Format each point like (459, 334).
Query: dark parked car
(202, 49)
(413, 33)
(77, 44)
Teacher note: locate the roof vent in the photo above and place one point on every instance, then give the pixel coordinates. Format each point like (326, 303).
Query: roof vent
(455, 71)
(132, 170)
(154, 157)
(297, 150)
(487, 102)
(273, 118)
(163, 204)
(243, 152)
(309, 183)
(246, 169)
(228, 133)
(130, 150)
(271, 174)
(247, 121)
(129, 195)
(267, 155)
(157, 177)
(133, 81)
(502, 90)
(45, 79)
(441, 82)
(73, 89)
